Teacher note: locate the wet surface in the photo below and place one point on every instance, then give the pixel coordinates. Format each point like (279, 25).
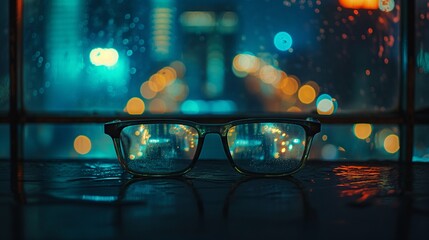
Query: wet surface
(96, 200)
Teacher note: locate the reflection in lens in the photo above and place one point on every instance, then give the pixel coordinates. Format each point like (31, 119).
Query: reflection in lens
(267, 148)
(158, 148)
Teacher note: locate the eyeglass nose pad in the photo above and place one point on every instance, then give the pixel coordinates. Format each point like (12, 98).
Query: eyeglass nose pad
(212, 128)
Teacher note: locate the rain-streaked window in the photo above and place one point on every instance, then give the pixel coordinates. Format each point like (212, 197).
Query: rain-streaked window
(211, 57)
(217, 57)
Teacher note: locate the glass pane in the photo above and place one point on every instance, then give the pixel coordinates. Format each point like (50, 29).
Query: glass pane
(357, 142)
(4, 57)
(421, 143)
(59, 141)
(422, 50)
(158, 148)
(334, 142)
(211, 56)
(4, 142)
(270, 148)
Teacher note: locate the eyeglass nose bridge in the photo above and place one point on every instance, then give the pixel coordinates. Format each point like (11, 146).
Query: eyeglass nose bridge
(220, 129)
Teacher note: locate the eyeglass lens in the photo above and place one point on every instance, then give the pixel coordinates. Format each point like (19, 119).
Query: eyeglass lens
(267, 147)
(271, 148)
(158, 148)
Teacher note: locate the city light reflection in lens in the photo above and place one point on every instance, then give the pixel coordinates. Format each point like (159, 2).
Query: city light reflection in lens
(82, 144)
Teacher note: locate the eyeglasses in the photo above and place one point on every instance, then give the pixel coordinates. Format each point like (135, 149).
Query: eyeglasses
(170, 147)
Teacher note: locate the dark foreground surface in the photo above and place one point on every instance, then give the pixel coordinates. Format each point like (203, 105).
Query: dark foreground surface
(96, 200)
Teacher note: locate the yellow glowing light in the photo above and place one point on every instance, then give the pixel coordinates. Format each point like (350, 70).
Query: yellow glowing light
(268, 74)
(82, 144)
(283, 150)
(135, 106)
(289, 85)
(157, 82)
(137, 133)
(391, 143)
(132, 157)
(104, 57)
(362, 130)
(359, 4)
(247, 63)
(306, 94)
(294, 109)
(198, 19)
(169, 74)
(146, 91)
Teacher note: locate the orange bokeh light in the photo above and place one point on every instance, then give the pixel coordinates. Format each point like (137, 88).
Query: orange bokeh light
(359, 4)
(82, 144)
(306, 94)
(135, 106)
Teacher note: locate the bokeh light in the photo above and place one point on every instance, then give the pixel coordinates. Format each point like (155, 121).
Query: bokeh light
(157, 106)
(325, 105)
(179, 67)
(82, 144)
(359, 4)
(157, 82)
(307, 94)
(283, 41)
(146, 91)
(387, 5)
(169, 74)
(135, 106)
(245, 63)
(391, 143)
(190, 107)
(329, 152)
(362, 130)
(289, 85)
(104, 57)
(269, 75)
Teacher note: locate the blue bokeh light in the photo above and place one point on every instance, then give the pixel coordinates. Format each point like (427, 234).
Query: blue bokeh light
(283, 41)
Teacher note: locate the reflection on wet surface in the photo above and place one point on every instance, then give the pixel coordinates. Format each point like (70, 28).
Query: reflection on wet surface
(96, 200)
(364, 182)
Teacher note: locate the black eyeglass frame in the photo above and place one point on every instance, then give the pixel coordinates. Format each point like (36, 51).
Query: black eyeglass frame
(114, 128)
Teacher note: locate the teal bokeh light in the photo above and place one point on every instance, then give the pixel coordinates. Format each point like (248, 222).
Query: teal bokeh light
(283, 41)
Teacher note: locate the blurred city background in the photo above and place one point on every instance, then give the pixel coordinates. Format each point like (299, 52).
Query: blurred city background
(214, 57)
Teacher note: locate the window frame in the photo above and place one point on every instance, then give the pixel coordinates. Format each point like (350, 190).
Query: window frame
(405, 118)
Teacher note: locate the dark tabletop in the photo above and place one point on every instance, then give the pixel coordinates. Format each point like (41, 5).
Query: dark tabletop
(94, 199)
